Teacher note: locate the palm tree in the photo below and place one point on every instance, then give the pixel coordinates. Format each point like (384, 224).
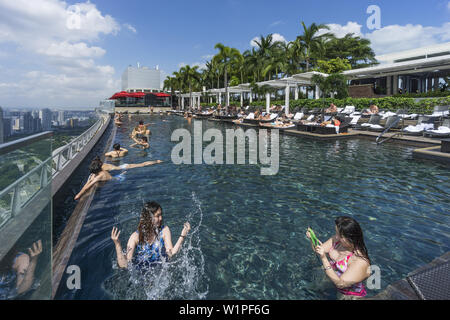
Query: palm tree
(190, 75)
(179, 85)
(310, 41)
(226, 57)
(169, 84)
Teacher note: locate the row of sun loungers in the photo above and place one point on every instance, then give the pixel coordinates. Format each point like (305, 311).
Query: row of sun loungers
(436, 124)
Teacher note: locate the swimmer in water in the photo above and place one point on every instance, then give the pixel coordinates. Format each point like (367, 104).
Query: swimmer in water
(151, 242)
(117, 152)
(100, 172)
(141, 143)
(350, 263)
(143, 128)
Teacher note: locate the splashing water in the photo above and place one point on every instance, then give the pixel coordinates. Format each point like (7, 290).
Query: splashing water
(181, 278)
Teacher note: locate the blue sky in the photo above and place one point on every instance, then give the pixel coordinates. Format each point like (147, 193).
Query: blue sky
(45, 62)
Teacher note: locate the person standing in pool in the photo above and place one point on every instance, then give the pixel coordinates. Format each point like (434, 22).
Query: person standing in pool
(117, 152)
(350, 262)
(151, 242)
(100, 172)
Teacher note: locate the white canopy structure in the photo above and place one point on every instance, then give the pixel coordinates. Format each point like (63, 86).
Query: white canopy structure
(296, 81)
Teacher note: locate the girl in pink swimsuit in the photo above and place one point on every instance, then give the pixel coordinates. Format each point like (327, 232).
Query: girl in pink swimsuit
(346, 273)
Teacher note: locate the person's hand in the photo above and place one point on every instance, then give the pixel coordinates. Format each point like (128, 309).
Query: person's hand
(77, 197)
(319, 250)
(115, 233)
(307, 234)
(35, 250)
(186, 229)
(158, 161)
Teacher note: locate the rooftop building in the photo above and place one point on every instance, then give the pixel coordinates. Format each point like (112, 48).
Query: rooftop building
(141, 79)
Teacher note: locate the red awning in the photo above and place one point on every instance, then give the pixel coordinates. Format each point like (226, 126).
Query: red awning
(161, 94)
(124, 94)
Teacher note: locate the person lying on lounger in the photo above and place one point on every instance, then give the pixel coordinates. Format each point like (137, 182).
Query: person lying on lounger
(117, 152)
(100, 172)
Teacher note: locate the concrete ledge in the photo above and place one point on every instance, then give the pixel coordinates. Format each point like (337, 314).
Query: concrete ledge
(67, 241)
(432, 153)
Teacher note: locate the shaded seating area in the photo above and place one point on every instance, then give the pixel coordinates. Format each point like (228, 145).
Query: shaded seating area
(320, 128)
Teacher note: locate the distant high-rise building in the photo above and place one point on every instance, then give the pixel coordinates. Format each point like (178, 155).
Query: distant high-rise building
(17, 123)
(61, 118)
(141, 79)
(2, 137)
(46, 119)
(7, 127)
(27, 122)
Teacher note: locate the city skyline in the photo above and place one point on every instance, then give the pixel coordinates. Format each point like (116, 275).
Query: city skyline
(72, 54)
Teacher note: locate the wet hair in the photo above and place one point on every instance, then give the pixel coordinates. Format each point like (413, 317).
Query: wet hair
(147, 231)
(144, 139)
(6, 263)
(96, 165)
(116, 146)
(141, 122)
(350, 229)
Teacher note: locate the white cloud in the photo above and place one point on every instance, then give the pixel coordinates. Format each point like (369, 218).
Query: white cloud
(130, 27)
(398, 38)
(275, 37)
(59, 39)
(207, 56)
(394, 38)
(276, 23)
(200, 65)
(340, 31)
(67, 50)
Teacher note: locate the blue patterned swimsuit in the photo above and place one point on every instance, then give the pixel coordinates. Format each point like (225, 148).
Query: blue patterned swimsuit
(149, 254)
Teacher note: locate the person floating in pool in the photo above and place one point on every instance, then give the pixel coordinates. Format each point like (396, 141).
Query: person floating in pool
(151, 242)
(350, 263)
(100, 172)
(17, 271)
(117, 152)
(141, 143)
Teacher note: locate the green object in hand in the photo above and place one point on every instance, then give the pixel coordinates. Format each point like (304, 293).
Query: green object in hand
(313, 237)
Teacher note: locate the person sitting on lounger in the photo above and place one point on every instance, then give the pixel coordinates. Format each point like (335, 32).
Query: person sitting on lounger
(100, 172)
(331, 109)
(334, 121)
(373, 109)
(117, 152)
(141, 143)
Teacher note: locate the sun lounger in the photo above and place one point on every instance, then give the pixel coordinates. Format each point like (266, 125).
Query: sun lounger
(391, 122)
(442, 132)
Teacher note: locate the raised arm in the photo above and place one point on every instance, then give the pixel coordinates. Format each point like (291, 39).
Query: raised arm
(91, 181)
(170, 249)
(123, 259)
(26, 267)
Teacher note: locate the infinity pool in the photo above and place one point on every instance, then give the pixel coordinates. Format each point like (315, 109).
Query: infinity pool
(248, 231)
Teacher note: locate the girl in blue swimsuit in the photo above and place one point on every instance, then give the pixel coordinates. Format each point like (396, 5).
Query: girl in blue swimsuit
(151, 243)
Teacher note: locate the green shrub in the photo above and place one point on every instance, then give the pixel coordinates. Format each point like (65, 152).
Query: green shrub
(423, 106)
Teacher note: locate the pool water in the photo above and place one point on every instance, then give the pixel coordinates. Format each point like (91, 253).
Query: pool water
(248, 231)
